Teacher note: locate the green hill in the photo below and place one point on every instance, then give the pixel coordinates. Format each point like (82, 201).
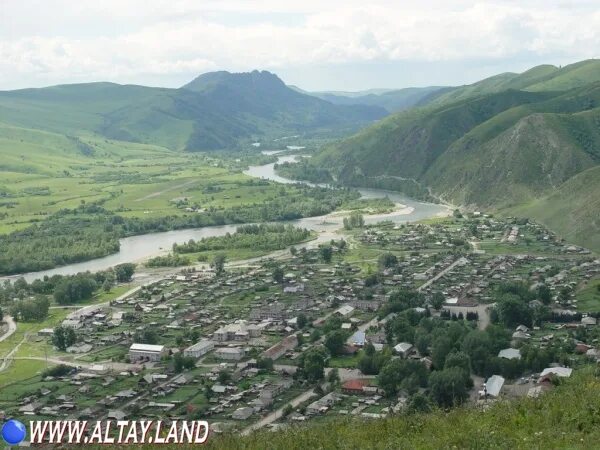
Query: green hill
(214, 111)
(566, 417)
(572, 209)
(540, 78)
(494, 150)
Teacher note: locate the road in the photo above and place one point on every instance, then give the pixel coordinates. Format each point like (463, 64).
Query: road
(272, 417)
(441, 274)
(9, 357)
(12, 327)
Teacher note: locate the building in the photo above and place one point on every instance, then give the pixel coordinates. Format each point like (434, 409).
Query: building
(323, 404)
(238, 331)
(493, 386)
(345, 310)
(242, 413)
(230, 353)
(358, 339)
(555, 371)
(355, 387)
(404, 349)
(510, 353)
(278, 350)
(199, 349)
(270, 312)
(140, 352)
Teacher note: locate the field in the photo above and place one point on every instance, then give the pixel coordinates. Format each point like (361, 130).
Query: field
(45, 172)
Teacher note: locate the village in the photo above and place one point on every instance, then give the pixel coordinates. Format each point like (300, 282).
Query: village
(366, 326)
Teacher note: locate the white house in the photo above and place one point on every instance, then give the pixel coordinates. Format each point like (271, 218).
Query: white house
(199, 349)
(148, 352)
(230, 353)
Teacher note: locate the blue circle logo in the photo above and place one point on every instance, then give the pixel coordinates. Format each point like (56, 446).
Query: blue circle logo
(13, 432)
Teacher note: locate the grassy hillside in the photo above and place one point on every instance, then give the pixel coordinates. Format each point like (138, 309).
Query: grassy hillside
(407, 143)
(540, 78)
(567, 417)
(571, 210)
(212, 112)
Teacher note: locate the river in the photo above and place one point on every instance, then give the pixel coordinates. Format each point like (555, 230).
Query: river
(141, 247)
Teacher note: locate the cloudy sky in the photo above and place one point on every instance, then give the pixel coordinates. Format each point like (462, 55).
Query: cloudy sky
(315, 44)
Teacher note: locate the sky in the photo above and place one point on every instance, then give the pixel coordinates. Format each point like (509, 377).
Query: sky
(314, 44)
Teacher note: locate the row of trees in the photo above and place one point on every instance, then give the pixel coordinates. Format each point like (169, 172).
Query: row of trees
(256, 237)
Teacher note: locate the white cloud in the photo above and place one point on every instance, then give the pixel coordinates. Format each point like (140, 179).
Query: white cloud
(62, 41)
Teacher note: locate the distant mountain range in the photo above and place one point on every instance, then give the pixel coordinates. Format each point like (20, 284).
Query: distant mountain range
(528, 143)
(392, 100)
(215, 111)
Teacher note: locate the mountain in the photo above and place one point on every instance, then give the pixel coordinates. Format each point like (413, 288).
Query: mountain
(393, 100)
(514, 142)
(215, 111)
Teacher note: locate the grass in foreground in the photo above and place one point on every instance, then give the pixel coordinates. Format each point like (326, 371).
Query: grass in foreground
(568, 417)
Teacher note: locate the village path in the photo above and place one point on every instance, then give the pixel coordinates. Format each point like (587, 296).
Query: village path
(6, 360)
(440, 275)
(12, 327)
(169, 189)
(272, 417)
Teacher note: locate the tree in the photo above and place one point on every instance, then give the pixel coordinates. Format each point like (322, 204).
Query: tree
(448, 387)
(313, 364)
(224, 376)
(512, 311)
(418, 403)
(265, 364)
(387, 260)
(107, 286)
(437, 300)
(218, 263)
(181, 362)
(124, 272)
(460, 360)
(333, 376)
(335, 342)
(402, 373)
(326, 253)
(146, 336)
(278, 275)
(1, 315)
(63, 337)
(441, 347)
(544, 294)
(301, 321)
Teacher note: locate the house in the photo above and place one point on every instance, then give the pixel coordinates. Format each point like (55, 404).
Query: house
(345, 311)
(230, 353)
(116, 414)
(358, 339)
(323, 404)
(238, 331)
(563, 372)
(492, 386)
(404, 349)
(81, 348)
(281, 348)
(521, 336)
(589, 321)
(199, 349)
(242, 413)
(510, 353)
(355, 387)
(140, 352)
